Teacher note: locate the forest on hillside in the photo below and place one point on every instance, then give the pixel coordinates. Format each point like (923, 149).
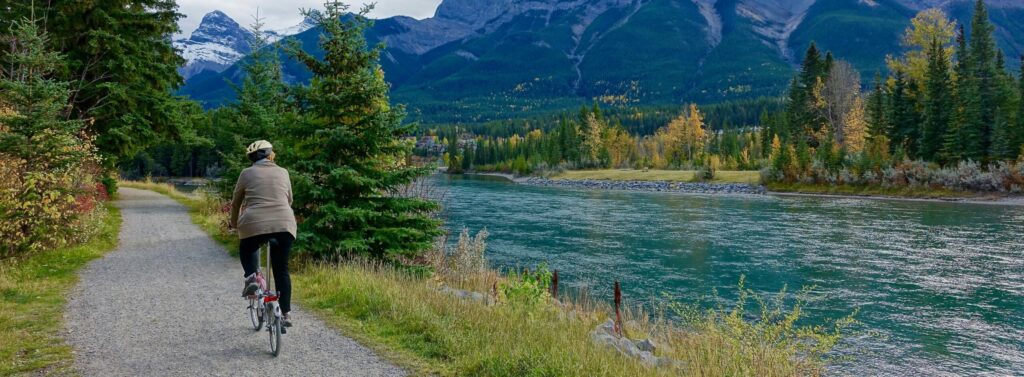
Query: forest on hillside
(947, 114)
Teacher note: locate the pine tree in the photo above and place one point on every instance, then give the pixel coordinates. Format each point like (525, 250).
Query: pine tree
(44, 149)
(123, 68)
(33, 120)
(985, 76)
(1018, 134)
(962, 137)
(876, 111)
(799, 111)
(348, 161)
(260, 112)
(937, 103)
(904, 131)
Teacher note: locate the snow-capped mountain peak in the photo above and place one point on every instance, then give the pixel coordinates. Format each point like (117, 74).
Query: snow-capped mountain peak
(220, 41)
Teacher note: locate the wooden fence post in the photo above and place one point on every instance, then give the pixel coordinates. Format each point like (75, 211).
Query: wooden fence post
(618, 311)
(554, 285)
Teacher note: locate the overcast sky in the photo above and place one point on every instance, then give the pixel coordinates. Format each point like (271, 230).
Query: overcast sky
(279, 14)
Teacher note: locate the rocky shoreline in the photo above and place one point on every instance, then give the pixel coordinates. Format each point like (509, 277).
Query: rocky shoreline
(649, 186)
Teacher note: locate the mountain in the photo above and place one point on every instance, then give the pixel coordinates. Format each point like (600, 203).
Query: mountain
(489, 59)
(219, 42)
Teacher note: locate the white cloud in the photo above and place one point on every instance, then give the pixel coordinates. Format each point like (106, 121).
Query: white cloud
(279, 14)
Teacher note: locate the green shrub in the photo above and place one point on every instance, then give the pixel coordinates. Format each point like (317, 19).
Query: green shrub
(109, 184)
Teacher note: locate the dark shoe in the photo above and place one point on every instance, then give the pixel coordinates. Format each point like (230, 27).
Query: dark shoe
(250, 286)
(286, 320)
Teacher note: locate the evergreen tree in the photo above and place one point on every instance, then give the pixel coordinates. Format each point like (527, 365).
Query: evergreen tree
(1018, 134)
(260, 112)
(799, 111)
(876, 109)
(33, 108)
(985, 76)
(904, 131)
(938, 102)
(123, 68)
(38, 143)
(962, 137)
(347, 159)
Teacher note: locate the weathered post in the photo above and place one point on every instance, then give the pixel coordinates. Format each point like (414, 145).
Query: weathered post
(554, 285)
(618, 306)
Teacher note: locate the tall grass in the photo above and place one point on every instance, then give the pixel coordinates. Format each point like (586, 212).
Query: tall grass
(453, 336)
(523, 331)
(33, 292)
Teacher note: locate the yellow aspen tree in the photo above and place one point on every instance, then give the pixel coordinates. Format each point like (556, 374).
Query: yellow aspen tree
(926, 26)
(855, 129)
(776, 146)
(693, 133)
(592, 142)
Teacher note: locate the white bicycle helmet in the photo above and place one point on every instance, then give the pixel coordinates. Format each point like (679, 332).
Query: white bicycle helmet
(259, 150)
(257, 145)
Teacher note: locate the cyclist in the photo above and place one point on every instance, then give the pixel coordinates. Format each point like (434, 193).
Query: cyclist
(264, 196)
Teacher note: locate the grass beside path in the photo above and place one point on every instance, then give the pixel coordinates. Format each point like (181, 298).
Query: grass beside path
(409, 321)
(33, 292)
(747, 177)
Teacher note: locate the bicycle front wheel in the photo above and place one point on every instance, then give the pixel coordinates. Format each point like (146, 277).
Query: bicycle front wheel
(256, 313)
(274, 325)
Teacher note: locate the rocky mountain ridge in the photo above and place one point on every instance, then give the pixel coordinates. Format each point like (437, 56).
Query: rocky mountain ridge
(503, 58)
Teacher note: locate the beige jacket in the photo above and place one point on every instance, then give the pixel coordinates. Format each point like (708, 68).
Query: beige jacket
(264, 196)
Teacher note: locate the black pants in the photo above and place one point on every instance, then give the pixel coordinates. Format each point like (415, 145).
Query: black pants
(248, 253)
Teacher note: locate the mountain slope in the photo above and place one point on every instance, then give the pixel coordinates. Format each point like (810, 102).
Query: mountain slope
(490, 59)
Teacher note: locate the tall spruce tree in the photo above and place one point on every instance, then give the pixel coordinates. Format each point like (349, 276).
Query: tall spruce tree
(1018, 134)
(938, 102)
(904, 121)
(800, 114)
(962, 139)
(123, 70)
(348, 160)
(260, 112)
(985, 76)
(877, 123)
(38, 142)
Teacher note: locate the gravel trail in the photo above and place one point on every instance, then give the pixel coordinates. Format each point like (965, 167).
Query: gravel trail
(166, 303)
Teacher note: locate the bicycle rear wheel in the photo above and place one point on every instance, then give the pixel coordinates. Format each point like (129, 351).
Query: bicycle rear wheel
(256, 313)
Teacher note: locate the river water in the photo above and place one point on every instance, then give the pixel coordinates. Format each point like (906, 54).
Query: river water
(940, 286)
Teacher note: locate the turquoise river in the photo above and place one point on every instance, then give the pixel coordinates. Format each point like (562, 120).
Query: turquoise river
(939, 286)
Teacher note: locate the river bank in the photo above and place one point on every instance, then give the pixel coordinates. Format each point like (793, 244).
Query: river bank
(718, 188)
(911, 268)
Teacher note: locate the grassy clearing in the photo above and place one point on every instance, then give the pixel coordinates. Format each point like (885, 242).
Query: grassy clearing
(899, 192)
(748, 177)
(408, 320)
(34, 291)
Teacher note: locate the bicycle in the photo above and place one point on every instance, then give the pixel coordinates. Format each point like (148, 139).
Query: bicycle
(265, 301)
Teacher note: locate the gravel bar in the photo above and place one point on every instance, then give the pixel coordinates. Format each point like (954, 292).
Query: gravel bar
(166, 303)
(651, 186)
